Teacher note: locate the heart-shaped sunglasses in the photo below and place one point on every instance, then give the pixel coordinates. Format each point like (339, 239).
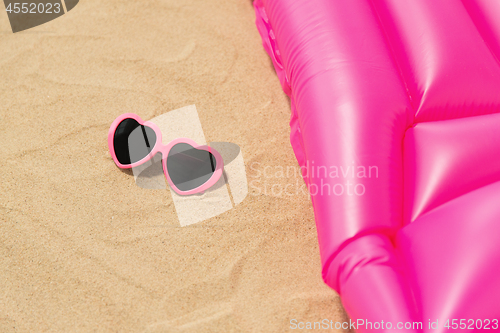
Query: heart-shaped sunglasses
(189, 168)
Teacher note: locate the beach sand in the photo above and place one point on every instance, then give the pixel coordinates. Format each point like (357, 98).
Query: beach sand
(83, 248)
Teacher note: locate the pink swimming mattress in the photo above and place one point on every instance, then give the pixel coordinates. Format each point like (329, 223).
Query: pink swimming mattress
(395, 119)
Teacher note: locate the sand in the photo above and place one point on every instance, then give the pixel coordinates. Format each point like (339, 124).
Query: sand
(83, 248)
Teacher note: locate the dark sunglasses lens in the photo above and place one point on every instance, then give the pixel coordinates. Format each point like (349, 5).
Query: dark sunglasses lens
(133, 141)
(189, 167)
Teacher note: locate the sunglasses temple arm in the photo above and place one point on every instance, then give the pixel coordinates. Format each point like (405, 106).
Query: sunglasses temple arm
(145, 138)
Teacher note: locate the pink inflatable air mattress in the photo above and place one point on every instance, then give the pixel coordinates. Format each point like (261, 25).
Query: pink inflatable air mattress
(395, 118)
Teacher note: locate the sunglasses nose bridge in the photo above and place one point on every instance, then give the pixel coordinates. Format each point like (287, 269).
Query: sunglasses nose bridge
(162, 148)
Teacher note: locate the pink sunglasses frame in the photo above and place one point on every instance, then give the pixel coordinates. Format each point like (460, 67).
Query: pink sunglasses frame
(159, 147)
